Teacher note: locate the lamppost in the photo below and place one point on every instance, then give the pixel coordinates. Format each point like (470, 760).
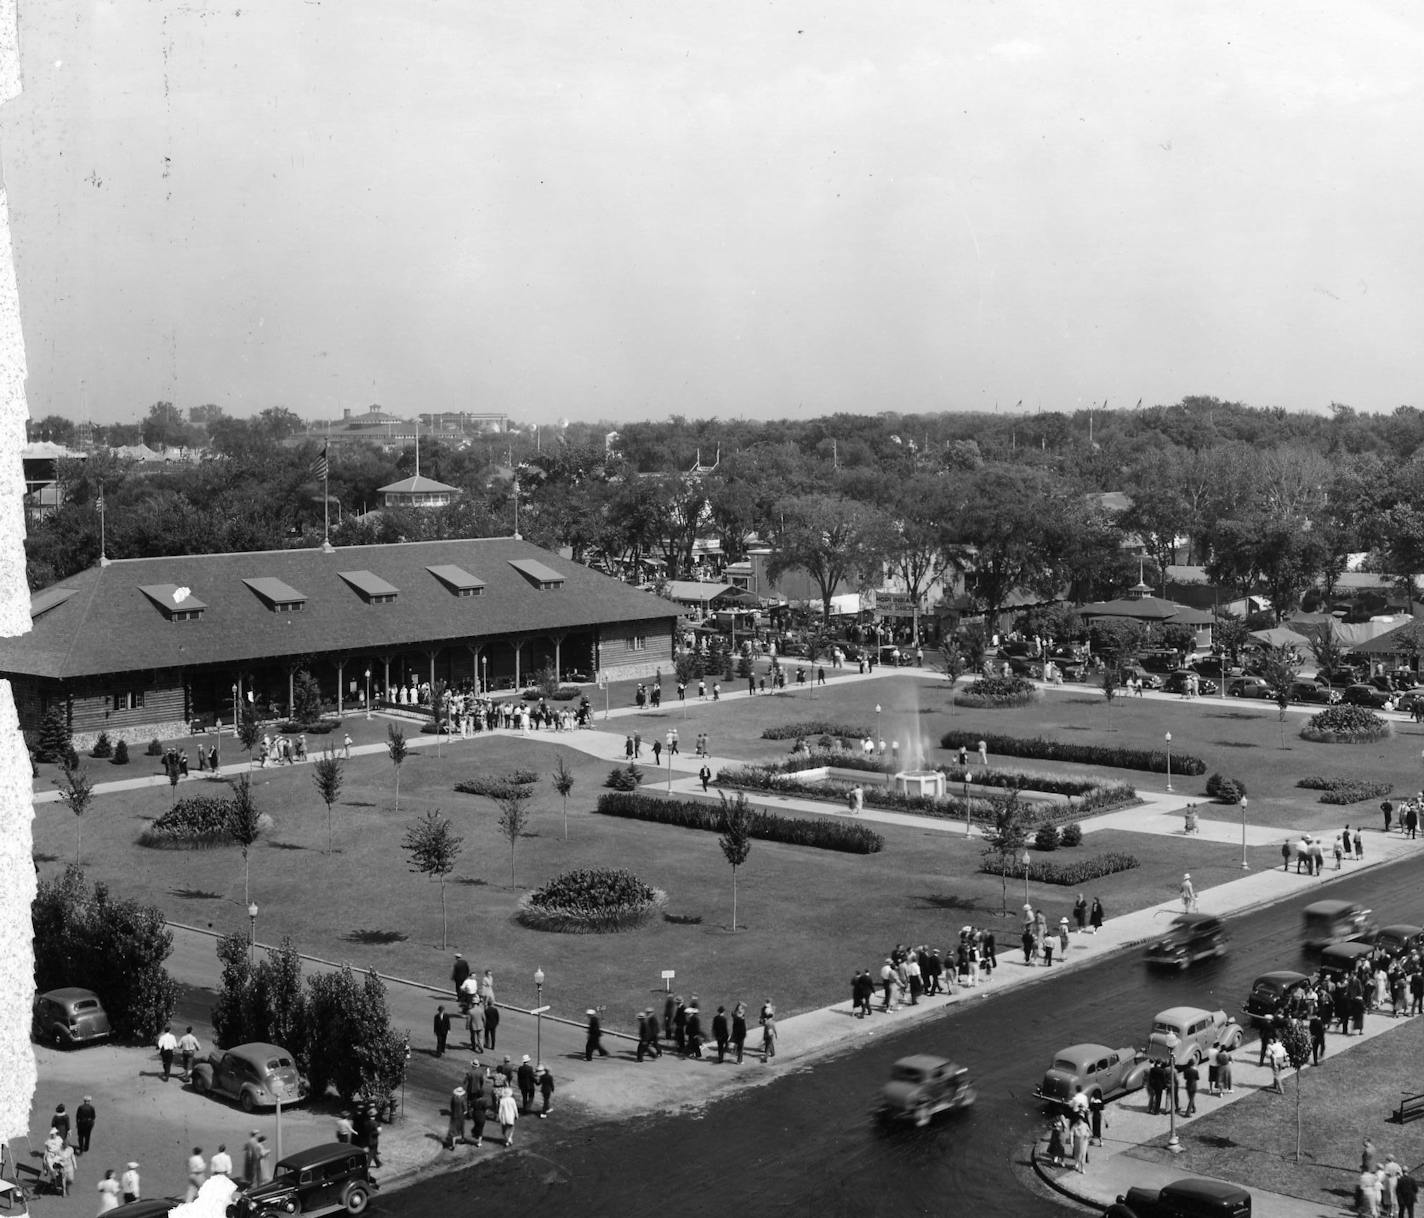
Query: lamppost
(1169, 1043)
(484, 678)
(539, 1015)
(878, 745)
(967, 780)
(1245, 866)
(1026, 862)
(1168, 739)
(251, 930)
(368, 693)
(234, 711)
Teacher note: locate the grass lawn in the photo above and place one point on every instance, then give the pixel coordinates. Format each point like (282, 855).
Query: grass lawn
(1346, 1099)
(831, 912)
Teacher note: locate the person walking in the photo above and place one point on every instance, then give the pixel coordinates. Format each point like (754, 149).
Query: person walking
(130, 1183)
(1080, 1134)
(108, 1192)
(739, 1029)
(1359, 846)
(441, 1029)
(1190, 1078)
(1056, 1149)
(705, 776)
(594, 1039)
(1389, 1175)
(59, 1122)
(84, 1117)
(491, 1023)
(254, 1157)
(221, 1164)
(1080, 913)
(527, 1084)
(167, 1043)
(197, 1173)
(721, 1033)
(188, 1049)
(346, 745)
(455, 1131)
(458, 972)
(1189, 894)
(546, 1090)
(1317, 1038)
(508, 1113)
(1406, 1192)
(768, 1036)
(1096, 916)
(477, 1104)
(373, 1135)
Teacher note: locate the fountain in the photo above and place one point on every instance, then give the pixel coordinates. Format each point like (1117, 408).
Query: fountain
(916, 778)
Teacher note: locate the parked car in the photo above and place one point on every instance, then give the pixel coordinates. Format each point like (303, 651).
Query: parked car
(1248, 687)
(1343, 959)
(1334, 921)
(1197, 1031)
(325, 1179)
(256, 1075)
(1271, 993)
(1407, 701)
(1135, 672)
(1021, 666)
(1176, 682)
(1339, 677)
(1365, 695)
(147, 1207)
(1400, 938)
(1191, 937)
(922, 1085)
(1306, 690)
(1183, 1199)
(68, 1017)
(1097, 1069)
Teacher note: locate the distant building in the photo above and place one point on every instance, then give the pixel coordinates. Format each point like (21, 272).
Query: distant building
(417, 491)
(465, 422)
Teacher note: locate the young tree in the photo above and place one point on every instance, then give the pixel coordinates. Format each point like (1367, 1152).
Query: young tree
(1279, 668)
(1007, 838)
(1295, 1040)
(564, 784)
(817, 644)
(326, 778)
(513, 801)
(396, 747)
(76, 790)
(433, 846)
(954, 662)
(736, 839)
(1110, 683)
(244, 823)
(249, 731)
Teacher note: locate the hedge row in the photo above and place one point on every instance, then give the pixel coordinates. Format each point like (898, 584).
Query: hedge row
(1033, 780)
(765, 826)
(1065, 875)
(1346, 790)
(1114, 756)
(816, 727)
(494, 785)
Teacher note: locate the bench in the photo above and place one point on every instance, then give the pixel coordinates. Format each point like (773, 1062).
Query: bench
(1410, 1107)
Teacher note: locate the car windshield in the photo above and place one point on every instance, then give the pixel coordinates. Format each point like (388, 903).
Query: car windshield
(907, 1074)
(278, 1063)
(86, 1004)
(1164, 1028)
(1266, 989)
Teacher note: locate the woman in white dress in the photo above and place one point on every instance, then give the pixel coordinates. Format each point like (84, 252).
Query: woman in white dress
(508, 1113)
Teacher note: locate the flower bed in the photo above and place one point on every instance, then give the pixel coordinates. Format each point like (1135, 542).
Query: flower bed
(764, 826)
(1345, 790)
(816, 727)
(1065, 875)
(1346, 725)
(195, 823)
(590, 901)
(1113, 756)
(494, 785)
(995, 693)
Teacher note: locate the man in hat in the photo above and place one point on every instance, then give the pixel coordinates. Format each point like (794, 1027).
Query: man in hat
(646, 1043)
(129, 1183)
(526, 1084)
(458, 974)
(442, 1030)
(84, 1117)
(456, 1130)
(594, 1043)
(546, 1090)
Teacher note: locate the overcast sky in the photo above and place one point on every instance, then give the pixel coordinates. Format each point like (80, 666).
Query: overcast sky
(625, 210)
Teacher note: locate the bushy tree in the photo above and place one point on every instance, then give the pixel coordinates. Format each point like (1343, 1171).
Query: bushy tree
(121, 753)
(357, 1052)
(54, 741)
(306, 697)
(264, 1001)
(736, 839)
(232, 1010)
(83, 936)
(103, 747)
(1006, 839)
(1295, 1040)
(249, 731)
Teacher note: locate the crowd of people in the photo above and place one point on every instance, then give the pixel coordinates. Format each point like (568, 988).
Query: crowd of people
(683, 1029)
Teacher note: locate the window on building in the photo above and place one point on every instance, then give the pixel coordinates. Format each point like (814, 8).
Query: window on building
(128, 699)
(639, 642)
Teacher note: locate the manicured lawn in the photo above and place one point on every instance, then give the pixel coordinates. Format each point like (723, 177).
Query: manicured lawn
(830, 912)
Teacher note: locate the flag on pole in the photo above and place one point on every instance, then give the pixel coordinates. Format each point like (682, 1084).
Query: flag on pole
(320, 468)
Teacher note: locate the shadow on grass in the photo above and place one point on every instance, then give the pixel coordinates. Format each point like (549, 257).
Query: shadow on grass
(683, 919)
(286, 846)
(374, 938)
(358, 803)
(194, 894)
(982, 907)
(470, 881)
(1232, 715)
(1234, 744)
(41, 857)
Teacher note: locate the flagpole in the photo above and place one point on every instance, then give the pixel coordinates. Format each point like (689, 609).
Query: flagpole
(103, 557)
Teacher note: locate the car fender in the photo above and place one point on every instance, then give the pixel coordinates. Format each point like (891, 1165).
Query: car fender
(202, 1077)
(1136, 1078)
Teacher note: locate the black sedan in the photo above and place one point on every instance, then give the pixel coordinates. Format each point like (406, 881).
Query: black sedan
(1176, 682)
(1365, 695)
(1248, 687)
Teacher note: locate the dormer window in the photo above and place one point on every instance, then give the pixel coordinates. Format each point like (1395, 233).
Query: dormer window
(544, 578)
(457, 579)
(176, 602)
(277, 595)
(371, 587)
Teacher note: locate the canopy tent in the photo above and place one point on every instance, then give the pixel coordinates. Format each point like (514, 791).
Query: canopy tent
(1147, 609)
(1279, 636)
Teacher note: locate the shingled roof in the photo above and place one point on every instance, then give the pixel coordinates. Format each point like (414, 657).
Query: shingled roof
(102, 620)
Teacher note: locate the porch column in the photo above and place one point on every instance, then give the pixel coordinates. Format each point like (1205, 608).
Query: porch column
(517, 645)
(558, 638)
(340, 684)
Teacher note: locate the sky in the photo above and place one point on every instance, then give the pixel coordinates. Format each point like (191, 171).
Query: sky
(755, 208)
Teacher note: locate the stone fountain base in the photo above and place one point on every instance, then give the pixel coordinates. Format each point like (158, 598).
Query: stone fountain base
(920, 782)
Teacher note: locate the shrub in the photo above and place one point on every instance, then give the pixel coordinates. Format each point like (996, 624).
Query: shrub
(71, 758)
(493, 786)
(1072, 834)
(816, 727)
(764, 826)
(1065, 875)
(312, 727)
(997, 692)
(1225, 790)
(624, 778)
(196, 822)
(54, 738)
(1046, 838)
(154, 749)
(564, 693)
(103, 747)
(1350, 790)
(121, 753)
(1346, 725)
(1114, 756)
(590, 900)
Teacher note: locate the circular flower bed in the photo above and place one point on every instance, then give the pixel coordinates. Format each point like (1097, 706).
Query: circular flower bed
(591, 901)
(196, 823)
(1346, 725)
(997, 692)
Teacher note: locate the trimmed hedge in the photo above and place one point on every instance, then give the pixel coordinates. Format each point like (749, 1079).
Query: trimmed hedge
(1346, 725)
(1072, 834)
(317, 727)
(764, 826)
(1065, 875)
(1113, 756)
(590, 900)
(816, 727)
(565, 693)
(1345, 790)
(121, 754)
(1093, 791)
(195, 823)
(1046, 838)
(1225, 790)
(990, 693)
(494, 785)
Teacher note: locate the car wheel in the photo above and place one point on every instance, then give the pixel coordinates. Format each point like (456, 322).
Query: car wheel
(247, 1102)
(1233, 693)
(1182, 963)
(202, 1084)
(922, 1114)
(357, 1198)
(56, 1038)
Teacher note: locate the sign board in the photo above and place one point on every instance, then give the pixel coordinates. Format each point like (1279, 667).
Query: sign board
(538, 1010)
(668, 974)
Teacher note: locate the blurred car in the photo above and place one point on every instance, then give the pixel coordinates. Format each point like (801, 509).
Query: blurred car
(1197, 1032)
(1271, 993)
(1306, 690)
(1022, 666)
(147, 1207)
(1248, 687)
(68, 1017)
(1135, 672)
(325, 1179)
(1162, 660)
(1338, 677)
(922, 1085)
(1400, 938)
(1335, 921)
(1100, 1071)
(1191, 937)
(1340, 961)
(1176, 682)
(256, 1075)
(1406, 702)
(1183, 1199)
(1364, 695)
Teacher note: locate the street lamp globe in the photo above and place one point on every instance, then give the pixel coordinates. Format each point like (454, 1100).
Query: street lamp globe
(539, 976)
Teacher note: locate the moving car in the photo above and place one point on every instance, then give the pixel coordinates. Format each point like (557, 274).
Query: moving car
(1271, 993)
(147, 1207)
(68, 1017)
(1400, 938)
(1328, 922)
(1160, 659)
(1183, 1199)
(256, 1075)
(1248, 687)
(921, 1086)
(1099, 1070)
(1135, 672)
(1312, 691)
(1191, 937)
(1338, 677)
(325, 1179)
(1197, 1032)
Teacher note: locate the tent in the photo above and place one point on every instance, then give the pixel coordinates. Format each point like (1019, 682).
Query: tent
(1279, 636)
